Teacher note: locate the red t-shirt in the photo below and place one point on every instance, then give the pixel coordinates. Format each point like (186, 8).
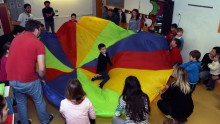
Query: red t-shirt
(170, 36)
(22, 58)
(176, 57)
(3, 74)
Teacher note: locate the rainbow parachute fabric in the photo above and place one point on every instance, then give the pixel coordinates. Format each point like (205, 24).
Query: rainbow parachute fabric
(73, 52)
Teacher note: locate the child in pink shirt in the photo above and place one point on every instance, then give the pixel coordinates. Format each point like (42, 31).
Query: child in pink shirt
(76, 108)
(3, 74)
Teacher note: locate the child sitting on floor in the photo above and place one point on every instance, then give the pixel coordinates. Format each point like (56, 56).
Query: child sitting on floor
(134, 102)
(214, 71)
(77, 108)
(192, 67)
(103, 60)
(3, 74)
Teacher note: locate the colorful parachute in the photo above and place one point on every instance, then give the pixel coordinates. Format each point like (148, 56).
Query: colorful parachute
(73, 52)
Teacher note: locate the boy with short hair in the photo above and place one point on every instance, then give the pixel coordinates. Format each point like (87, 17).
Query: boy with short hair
(192, 67)
(176, 57)
(73, 17)
(172, 33)
(103, 60)
(179, 36)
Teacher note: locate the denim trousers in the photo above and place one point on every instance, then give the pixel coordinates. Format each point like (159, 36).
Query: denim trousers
(34, 89)
(50, 25)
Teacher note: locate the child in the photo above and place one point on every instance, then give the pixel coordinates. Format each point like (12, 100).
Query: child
(171, 34)
(3, 110)
(134, 22)
(103, 59)
(176, 57)
(214, 71)
(180, 37)
(134, 102)
(73, 17)
(76, 108)
(3, 74)
(176, 102)
(192, 67)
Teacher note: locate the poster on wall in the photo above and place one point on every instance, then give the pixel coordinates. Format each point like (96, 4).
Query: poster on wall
(116, 3)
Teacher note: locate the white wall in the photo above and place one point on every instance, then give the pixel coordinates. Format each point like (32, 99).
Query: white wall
(64, 7)
(200, 25)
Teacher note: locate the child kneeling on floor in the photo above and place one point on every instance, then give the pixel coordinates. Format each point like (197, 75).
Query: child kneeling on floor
(77, 108)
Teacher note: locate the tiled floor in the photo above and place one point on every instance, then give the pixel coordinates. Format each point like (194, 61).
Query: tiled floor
(206, 111)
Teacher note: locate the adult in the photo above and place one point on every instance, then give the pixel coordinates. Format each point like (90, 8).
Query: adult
(104, 12)
(9, 37)
(117, 15)
(26, 52)
(111, 16)
(134, 22)
(25, 16)
(207, 58)
(176, 102)
(48, 14)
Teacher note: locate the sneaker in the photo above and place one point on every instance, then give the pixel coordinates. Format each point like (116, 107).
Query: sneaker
(50, 118)
(93, 79)
(29, 121)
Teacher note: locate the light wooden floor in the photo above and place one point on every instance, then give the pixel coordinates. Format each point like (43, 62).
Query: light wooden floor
(206, 111)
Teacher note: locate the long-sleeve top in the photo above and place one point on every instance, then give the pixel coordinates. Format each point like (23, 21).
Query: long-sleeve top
(214, 68)
(176, 57)
(77, 114)
(170, 36)
(182, 104)
(121, 107)
(205, 61)
(192, 69)
(3, 74)
(102, 63)
(48, 10)
(134, 24)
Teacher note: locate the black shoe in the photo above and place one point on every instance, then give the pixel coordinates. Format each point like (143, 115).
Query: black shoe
(29, 121)
(210, 89)
(100, 86)
(93, 79)
(50, 118)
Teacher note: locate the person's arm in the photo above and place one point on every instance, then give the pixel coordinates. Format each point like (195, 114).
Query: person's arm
(213, 66)
(167, 94)
(41, 65)
(53, 14)
(20, 18)
(98, 68)
(120, 107)
(44, 13)
(138, 25)
(92, 114)
(109, 60)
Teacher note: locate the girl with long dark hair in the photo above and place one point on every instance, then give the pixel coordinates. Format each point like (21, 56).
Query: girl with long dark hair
(134, 22)
(134, 102)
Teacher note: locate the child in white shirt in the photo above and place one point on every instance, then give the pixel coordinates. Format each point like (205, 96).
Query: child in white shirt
(214, 71)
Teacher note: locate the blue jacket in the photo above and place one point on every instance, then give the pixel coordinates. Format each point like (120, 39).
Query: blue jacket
(192, 69)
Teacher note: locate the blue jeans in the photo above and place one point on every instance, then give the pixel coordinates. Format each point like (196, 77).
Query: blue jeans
(104, 78)
(49, 24)
(204, 75)
(34, 89)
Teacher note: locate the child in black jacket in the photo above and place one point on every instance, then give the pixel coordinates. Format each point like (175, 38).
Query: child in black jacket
(103, 59)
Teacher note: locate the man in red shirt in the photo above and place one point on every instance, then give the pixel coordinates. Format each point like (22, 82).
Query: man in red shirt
(25, 52)
(176, 57)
